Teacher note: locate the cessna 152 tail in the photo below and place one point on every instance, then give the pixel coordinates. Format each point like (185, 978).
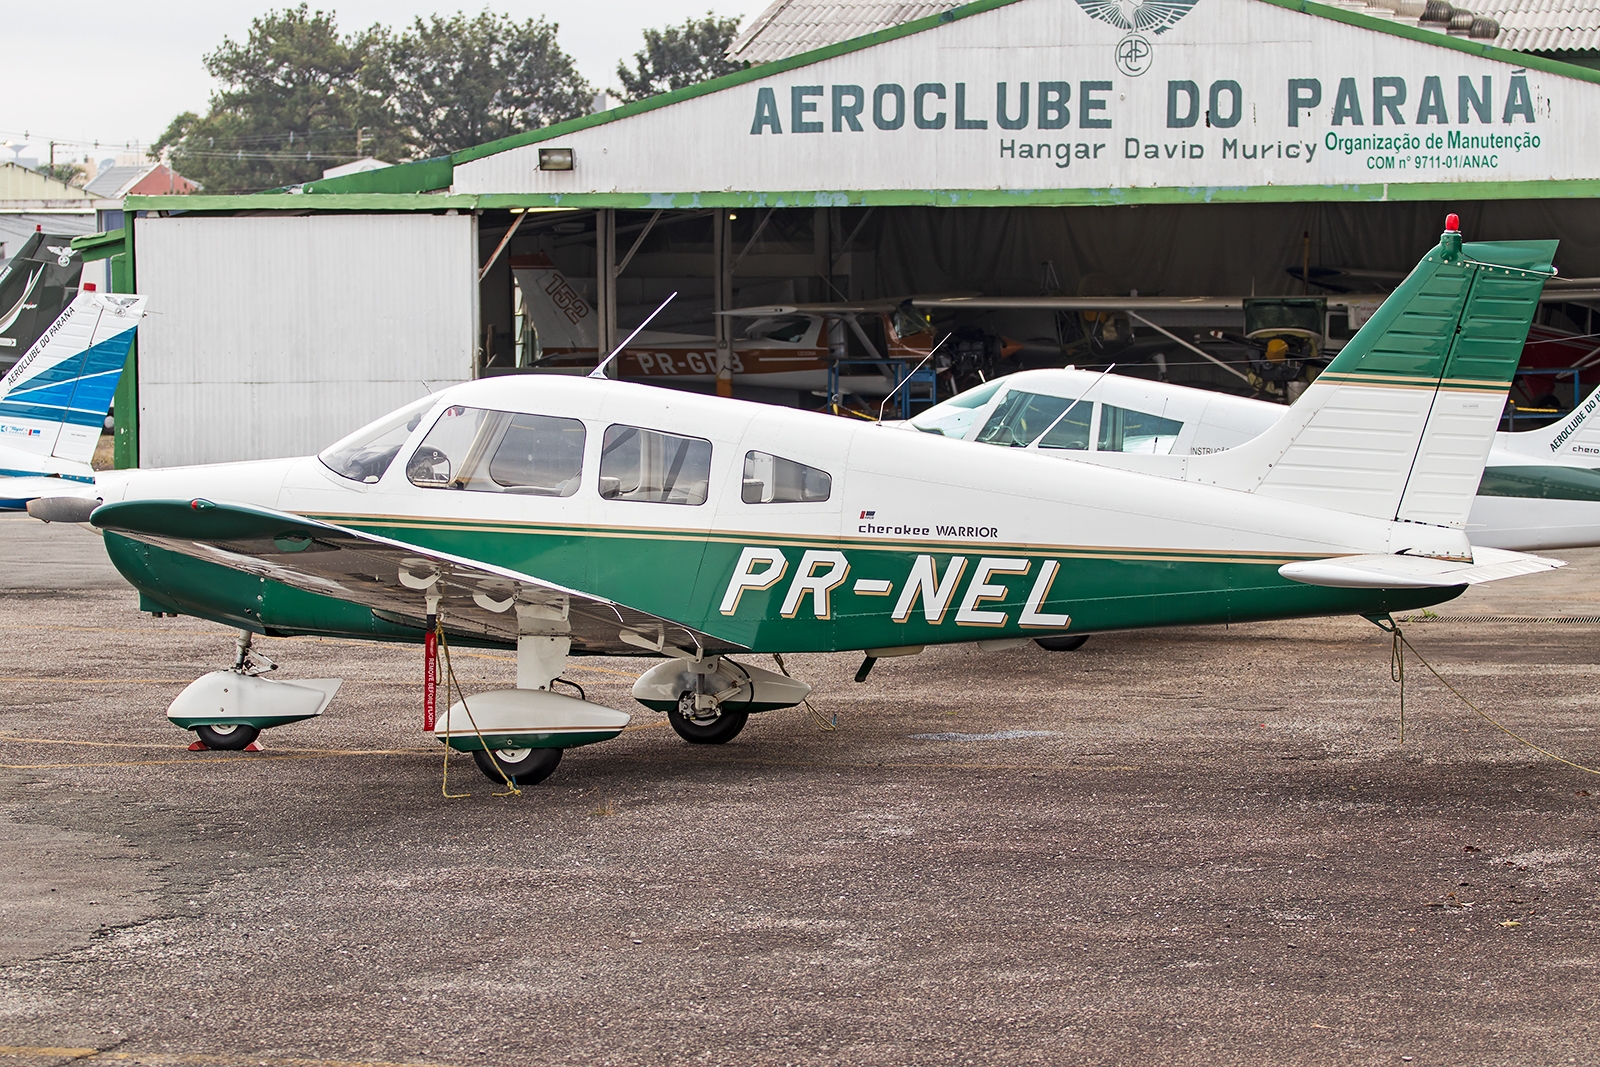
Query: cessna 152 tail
(53, 401)
(568, 516)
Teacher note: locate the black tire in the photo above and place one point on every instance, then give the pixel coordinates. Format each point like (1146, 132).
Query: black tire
(1068, 643)
(228, 737)
(719, 731)
(523, 766)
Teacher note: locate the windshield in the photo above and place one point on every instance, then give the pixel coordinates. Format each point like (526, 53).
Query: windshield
(367, 453)
(953, 418)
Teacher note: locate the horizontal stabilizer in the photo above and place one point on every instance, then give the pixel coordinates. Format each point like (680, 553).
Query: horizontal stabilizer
(1416, 572)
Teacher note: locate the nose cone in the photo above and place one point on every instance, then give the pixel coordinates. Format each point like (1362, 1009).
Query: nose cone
(63, 508)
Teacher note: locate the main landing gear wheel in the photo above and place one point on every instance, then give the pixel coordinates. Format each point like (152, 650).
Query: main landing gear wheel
(523, 766)
(1070, 643)
(694, 728)
(228, 737)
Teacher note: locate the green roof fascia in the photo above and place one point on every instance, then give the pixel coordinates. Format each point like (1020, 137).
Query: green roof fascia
(1376, 192)
(419, 176)
(728, 81)
(978, 7)
(323, 202)
(96, 246)
(1442, 40)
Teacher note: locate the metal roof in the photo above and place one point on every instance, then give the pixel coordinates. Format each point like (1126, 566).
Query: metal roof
(116, 181)
(1545, 25)
(789, 27)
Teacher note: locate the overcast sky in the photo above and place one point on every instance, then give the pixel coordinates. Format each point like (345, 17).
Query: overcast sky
(94, 70)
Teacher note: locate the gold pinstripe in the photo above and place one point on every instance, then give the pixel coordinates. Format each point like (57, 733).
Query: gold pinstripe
(743, 537)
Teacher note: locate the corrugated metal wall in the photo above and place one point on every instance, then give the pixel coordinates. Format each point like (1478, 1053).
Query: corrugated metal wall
(273, 337)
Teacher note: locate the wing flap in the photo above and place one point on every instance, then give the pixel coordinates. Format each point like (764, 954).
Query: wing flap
(393, 578)
(1416, 572)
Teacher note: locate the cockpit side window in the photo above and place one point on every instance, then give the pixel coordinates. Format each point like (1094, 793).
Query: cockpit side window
(1022, 417)
(365, 455)
(790, 329)
(771, 479)
(489, 451)
(654, 467)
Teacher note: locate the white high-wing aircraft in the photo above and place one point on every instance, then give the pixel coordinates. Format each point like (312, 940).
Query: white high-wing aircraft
(567, 516)
(53, 401)
(782, 347)
(1540, 488)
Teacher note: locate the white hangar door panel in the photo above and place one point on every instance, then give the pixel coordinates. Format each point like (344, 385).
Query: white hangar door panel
(272, 337)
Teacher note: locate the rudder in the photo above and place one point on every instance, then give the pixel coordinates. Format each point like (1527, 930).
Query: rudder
(1400, 423)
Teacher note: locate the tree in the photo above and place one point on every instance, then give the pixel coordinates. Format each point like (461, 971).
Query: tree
(297, 97)
(70, 173)
(460, 82)
(681, 55)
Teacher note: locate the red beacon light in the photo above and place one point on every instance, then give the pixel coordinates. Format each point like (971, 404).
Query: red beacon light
(88, 287)
(1450, 240)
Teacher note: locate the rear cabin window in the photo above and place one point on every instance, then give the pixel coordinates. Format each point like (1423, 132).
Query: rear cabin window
(654, 467)
(1021, 417)
(489, 451)
(771, 479)
(1126, 430)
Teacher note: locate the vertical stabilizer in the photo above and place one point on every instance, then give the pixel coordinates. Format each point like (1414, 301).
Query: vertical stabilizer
(53, 402)
(564, 320)
(1574, 436)
(1401, 422)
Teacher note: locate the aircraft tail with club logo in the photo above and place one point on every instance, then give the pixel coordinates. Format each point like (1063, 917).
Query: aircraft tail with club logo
(54, 400)
(1400, 424)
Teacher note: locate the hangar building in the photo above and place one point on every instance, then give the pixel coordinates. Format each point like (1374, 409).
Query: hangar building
(875, 152)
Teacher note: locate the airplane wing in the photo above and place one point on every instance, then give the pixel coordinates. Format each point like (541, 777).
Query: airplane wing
(1084, 303)
(1168, 303)
(771, 310)
(392, 577)
(1416, 572)
(867, 307)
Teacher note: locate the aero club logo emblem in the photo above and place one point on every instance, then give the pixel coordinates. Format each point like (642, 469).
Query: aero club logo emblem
(1138, 17)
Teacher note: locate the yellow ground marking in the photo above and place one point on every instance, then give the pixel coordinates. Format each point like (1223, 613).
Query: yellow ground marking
(289, 755)
(278, 756)
(239, 1059)
(93, 744)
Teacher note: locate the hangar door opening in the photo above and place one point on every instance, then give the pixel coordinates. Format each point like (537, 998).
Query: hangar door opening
(272, 337)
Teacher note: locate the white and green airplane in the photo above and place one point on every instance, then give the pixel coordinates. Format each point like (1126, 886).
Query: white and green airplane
(1540, 488)
(578, 516)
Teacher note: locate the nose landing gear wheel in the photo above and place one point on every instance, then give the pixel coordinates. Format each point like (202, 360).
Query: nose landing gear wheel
(697, 730)
(524, 766)
(228, 737)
